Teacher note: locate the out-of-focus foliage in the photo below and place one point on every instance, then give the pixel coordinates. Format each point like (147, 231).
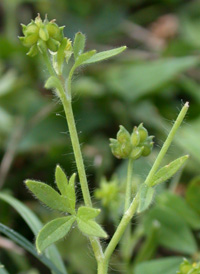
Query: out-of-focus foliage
(158, 72)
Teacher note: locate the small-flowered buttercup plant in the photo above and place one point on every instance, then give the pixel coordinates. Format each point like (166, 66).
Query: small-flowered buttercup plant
(47, 39)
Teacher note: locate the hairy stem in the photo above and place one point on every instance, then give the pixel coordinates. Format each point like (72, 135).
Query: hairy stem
(127, 235)
(121, 228)
(65, 96)
(79, 162)
(128, 185)
(167, 143)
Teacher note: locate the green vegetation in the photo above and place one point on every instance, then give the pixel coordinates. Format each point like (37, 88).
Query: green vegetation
(136, 213)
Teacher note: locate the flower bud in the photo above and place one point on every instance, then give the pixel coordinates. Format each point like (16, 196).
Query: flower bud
(135, 137)
(136, 153)
(142, 132)
(123, 135)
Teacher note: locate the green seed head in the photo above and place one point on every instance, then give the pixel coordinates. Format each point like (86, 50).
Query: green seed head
(48, 32)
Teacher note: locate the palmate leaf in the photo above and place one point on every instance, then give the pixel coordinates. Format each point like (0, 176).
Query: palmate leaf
(100, 56)
(48, 195)
(168, 171)
(24, 243)
(53, 231)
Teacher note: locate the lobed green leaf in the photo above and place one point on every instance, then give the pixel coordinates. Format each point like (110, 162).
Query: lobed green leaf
(100, 56)
(87, 213)
(53, 231)
(91, 228)
(79, 44)
(48, 195)
(168, 171)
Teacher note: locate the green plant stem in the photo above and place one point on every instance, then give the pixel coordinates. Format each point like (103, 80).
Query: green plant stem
(81, 169)
(167, 143)
(65, 96)
(127, 235)
(128, 184)
(120, 230)
(77, 151)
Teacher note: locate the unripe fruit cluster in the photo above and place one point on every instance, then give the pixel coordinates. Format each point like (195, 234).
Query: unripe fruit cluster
(40, 34)
(188, 268)
(133, 145)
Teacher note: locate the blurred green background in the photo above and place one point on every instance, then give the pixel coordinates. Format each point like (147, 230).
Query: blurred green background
(148, 83)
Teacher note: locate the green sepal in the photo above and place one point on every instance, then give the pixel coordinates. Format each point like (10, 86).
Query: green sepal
(41, 46)
(53, 44)
(79, 44)
(146, 194)
(61, 180)
(53, 231)
(83, 57)
(33, 51)
(91, 228)
(100, 56)
(48, 196)
(136, 153)
(88, 213)
(168, 171)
